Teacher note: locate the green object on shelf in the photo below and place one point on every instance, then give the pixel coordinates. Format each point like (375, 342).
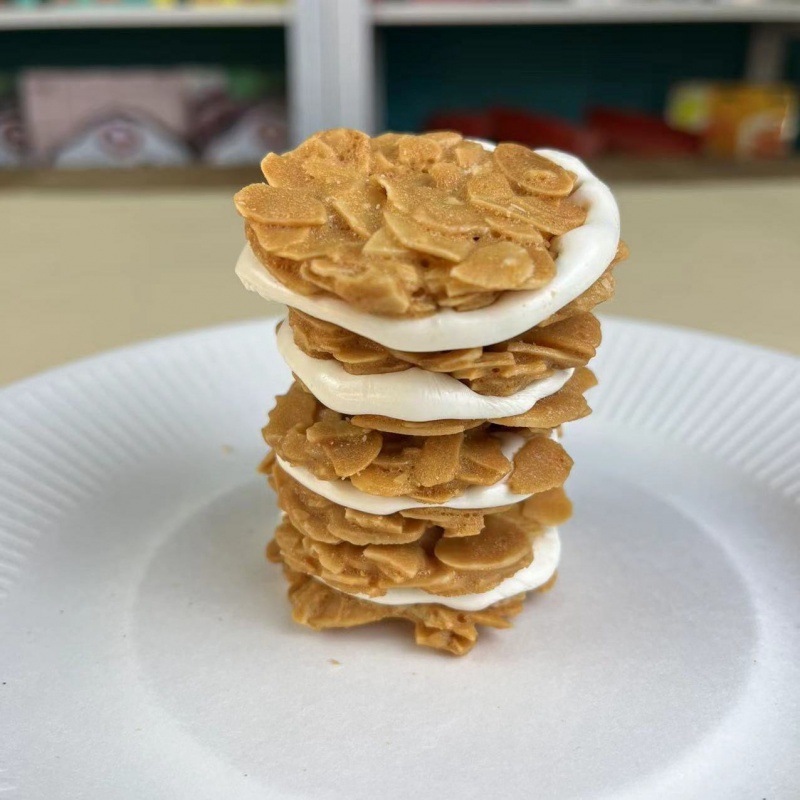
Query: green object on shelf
(8, 84)
(793, 63)
(246, 83)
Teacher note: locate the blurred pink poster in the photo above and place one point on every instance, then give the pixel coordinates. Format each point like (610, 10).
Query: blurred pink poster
(88, 118)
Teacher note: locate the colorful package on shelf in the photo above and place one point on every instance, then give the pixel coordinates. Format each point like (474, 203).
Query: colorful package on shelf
(236, 115)
(638, 134)
(737, 120)
(106, 118)
(13, 138)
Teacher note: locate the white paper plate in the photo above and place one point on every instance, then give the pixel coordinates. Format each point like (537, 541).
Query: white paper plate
(146, 649)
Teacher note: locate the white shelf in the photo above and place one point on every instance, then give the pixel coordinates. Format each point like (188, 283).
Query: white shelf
(533, 12)
(49, 17)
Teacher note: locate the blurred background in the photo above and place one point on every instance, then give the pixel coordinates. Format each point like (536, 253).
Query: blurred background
(126, 126)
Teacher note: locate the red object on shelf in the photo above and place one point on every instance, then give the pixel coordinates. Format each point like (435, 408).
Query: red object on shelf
(536, 130)
(469, 123)
(640, 134)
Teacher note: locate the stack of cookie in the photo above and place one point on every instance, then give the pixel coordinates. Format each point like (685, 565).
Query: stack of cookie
(440, 298)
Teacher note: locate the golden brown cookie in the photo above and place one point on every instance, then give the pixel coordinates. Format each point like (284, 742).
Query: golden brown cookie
(499, 370)
(403, 225)
(319, 607)
(431, 469)
(328, 522)
(436, 564)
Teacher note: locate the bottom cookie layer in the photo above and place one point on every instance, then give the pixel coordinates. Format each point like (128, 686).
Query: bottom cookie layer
(320, 607)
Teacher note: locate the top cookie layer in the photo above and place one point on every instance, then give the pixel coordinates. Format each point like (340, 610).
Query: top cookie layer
(404, 226)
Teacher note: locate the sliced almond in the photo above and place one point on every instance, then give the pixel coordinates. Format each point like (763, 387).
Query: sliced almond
(489, 186)
(349, 456)
(445, 139)
(496, 547)
(438, 461)
(332, 428)
(447, 176)
(403, 561)
(449, 215)
(332, 243)
(284, 173)
(386, 142)
(541, 464)
(532, 172)
(521, 231)
(295, 409)
(483, 462)
(270, 205)
(383, 482)
(503, 265)
(382, 243)
(544, 268)
(351, 147)
(403, 191)
(418, 237)
(549, 508)
(470, 154)
(418, 152)
(274, 238)
(551, 216)
(360, 207)
(382, 288)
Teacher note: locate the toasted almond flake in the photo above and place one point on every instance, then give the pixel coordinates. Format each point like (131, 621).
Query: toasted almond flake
(495, 266)
(532, 172)
(418, 237)
(270, 205)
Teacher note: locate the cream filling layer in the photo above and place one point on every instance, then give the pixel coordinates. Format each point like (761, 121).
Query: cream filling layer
(582, 255)
(546, 555)
(414, 395)
(343, 493)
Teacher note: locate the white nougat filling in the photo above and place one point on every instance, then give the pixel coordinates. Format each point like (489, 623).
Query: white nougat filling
(413, 395)
(343, 493)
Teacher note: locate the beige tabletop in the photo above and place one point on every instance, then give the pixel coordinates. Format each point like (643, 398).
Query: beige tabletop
(82, 271)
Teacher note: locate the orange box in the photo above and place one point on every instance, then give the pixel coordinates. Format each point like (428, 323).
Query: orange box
(752, 121)
(738, 119)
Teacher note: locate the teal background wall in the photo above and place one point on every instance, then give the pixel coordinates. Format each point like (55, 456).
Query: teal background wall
(553, 69)
(262, 47)
(793, 63)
